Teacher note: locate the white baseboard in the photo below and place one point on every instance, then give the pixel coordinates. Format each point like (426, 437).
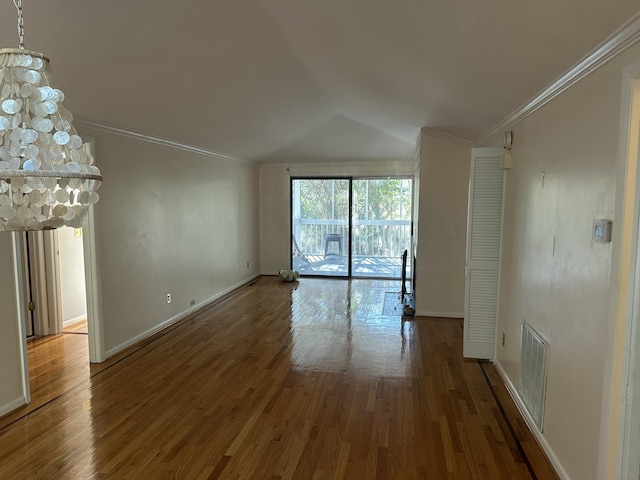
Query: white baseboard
(440, 314)
(531, 424)
(11, 406)
(152, 331)
(73, 321)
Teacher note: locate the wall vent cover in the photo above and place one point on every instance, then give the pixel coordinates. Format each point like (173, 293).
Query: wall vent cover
(533, 373)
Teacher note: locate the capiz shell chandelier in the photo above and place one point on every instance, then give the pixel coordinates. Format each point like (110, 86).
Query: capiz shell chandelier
(47, 178)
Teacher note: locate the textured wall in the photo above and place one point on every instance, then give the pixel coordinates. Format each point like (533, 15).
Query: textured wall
(553, 274)
(169, 221)
(444, 189)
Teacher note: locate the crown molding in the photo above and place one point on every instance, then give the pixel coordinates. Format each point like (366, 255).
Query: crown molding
(146, 137)
(624, 37)
(399, 162)
(446, 136)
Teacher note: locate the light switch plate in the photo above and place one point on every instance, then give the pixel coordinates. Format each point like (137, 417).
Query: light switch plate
(601, 231)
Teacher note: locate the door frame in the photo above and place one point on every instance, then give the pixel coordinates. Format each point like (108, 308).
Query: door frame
(625, 370)
(351, 179)
(19, 275)
(93, 286)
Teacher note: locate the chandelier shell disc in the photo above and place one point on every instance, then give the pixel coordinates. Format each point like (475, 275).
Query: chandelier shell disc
(47, 176)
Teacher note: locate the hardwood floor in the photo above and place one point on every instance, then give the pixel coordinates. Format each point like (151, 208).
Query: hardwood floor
(56, 365)
(280, 380)
(77, 327)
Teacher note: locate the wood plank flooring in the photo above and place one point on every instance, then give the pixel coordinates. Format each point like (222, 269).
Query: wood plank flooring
(56, 365)
(280, 380)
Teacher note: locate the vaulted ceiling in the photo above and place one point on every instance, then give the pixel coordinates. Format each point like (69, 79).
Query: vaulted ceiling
(304, 80)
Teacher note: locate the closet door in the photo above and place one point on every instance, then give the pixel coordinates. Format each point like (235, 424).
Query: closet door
(484, 231)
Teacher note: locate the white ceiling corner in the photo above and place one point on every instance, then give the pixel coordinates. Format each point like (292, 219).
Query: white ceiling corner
(624, 37)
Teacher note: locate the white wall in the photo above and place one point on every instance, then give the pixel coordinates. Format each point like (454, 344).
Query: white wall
(169, 221)
(553, 274)
(11, 391)
(442, 227)
(275, 209)
(72, 285)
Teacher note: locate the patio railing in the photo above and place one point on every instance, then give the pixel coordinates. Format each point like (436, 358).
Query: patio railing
(372, 238)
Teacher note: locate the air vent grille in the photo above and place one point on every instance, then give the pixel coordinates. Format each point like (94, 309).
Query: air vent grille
(533, 373)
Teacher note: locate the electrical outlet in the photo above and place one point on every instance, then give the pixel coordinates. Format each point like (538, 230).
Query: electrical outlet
(168, 298)
(192, 302)
(503, 339)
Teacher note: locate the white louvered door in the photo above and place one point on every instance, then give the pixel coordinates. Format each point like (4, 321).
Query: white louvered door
(484, 231)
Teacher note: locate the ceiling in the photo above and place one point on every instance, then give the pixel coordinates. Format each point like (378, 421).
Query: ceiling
(304, 80)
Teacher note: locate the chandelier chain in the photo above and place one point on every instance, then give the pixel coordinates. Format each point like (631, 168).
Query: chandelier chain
(18, 4)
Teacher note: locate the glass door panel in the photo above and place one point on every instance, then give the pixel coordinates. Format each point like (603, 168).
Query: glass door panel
(381, 224)
(320, 226)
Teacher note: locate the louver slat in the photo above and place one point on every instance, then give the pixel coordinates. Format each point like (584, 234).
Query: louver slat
(533, 373)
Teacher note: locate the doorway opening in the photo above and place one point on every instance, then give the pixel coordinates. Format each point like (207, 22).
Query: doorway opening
(42, 310)
(352, 227)
(54, 282)
(55, 321)
(73, 291)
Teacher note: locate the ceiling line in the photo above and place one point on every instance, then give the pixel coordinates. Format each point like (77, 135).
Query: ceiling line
(146, 137)
(624, 37)
(398, 162)
(446, 136)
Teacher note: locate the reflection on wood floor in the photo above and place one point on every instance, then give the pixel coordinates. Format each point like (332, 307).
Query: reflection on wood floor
(279, 380)
(76, 327)
(57, 364)
(361, 266)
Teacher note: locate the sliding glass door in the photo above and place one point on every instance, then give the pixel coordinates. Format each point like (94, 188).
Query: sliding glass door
(320, 226)
(381, 227)
(351, 227)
